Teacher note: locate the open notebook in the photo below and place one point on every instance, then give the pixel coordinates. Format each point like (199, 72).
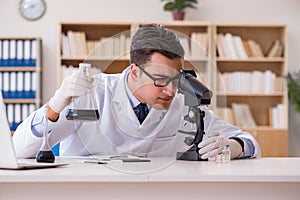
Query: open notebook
(8, 158)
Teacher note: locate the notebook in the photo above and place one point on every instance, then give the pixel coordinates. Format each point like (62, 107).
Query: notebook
(8, 158)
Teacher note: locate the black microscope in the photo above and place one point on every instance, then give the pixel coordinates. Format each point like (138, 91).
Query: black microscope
(195, 94)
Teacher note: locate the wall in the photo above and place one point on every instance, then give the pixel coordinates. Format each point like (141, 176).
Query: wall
(237, 11)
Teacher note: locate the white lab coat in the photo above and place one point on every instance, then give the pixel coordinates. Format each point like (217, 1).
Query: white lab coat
(118, 130)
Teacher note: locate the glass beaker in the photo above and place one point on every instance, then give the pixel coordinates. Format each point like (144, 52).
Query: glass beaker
(83, 107)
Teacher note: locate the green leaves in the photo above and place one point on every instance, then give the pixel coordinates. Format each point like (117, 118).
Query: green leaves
(293, 81)
(179, 5)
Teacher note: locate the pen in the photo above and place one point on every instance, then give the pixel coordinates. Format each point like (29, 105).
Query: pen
(94, 162)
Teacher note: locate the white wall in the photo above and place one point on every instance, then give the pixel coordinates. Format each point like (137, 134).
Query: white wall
(254, 11)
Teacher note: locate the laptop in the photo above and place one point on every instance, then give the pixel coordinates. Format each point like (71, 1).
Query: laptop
(8, 158)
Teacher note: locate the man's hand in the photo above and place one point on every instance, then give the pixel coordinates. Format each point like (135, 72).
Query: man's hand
(74, 85)
(214, 145)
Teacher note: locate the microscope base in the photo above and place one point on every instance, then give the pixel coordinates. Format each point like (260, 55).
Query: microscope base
(189, 155)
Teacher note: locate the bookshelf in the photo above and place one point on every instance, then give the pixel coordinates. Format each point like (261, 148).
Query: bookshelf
(105, 59)
(254, 78)
(204, 57)
(100, 54)
(20, 76)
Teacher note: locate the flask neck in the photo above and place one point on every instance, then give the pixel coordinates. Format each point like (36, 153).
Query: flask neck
(85, 70)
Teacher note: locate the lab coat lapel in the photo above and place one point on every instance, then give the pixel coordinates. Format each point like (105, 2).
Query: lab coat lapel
(121, 104)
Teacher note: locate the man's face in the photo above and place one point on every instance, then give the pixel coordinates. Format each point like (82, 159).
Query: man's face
(162, 71)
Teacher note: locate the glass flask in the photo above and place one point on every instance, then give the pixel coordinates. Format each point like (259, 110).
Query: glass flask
(45, 154)
(83, 107)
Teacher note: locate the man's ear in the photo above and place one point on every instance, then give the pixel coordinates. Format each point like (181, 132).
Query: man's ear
(134, 71)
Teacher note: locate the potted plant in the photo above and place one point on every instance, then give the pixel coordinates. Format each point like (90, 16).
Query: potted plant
(177, 7)
(293, 83)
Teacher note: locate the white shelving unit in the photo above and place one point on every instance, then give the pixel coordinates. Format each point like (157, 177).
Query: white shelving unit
(20, 73)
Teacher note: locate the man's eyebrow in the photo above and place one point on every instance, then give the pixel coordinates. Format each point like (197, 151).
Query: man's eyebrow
(160, 75)
(163, 76)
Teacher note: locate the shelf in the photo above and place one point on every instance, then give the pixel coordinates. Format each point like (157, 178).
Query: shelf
(250, 94)
(254, 59)
(26, 101)
(264, 128)
(95, 58)
(17, 69)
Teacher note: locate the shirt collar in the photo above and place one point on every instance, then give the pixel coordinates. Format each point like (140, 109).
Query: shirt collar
(132, 99)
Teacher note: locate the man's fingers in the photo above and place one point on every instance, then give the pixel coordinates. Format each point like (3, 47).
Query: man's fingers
(212, 138)
(206, 148)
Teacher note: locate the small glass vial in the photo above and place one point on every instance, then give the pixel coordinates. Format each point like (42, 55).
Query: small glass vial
(226, 155)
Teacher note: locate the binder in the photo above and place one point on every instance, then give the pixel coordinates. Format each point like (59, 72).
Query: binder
(17, 116)
(10, 115)
(1, 83)
(5, 85)
(27, 85)
(1, 56)
(13, 85)
(24, 111)
(27, 53)
(20, 53)
(33, 52)
(20, 84)
(33, 81)
(5, 54)
(12, 53)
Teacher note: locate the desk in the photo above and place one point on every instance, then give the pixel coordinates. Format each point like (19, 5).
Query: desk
(162, 178)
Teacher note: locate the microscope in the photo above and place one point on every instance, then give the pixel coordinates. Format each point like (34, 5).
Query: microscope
(195, 94)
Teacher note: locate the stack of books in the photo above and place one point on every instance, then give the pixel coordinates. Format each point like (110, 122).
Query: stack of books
(235, 47)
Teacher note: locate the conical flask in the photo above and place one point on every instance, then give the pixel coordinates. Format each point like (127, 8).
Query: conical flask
(83, 107)
(45, 153)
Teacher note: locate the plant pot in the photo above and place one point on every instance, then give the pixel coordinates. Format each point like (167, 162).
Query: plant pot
(178, 15)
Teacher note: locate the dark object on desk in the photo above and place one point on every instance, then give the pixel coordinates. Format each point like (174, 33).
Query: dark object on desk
(118, 158)
(95, 162)
(195, 94)
(129, 159)
(45, 156)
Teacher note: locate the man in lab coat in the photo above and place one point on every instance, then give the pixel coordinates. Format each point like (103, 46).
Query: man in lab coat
(156, 58)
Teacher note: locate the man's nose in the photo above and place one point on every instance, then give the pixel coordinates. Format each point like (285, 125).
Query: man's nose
(170, 88)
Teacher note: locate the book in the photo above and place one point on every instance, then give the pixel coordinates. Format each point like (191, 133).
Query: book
(220, 47)
(259, 49)
(274, 49)
(232, 53)
(227, 114)
(247, 48)
(186, 46)
(243, 115)
(238, 44)
(277, 116)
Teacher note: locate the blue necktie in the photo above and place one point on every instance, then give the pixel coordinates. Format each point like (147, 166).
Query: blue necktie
(141, 112)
